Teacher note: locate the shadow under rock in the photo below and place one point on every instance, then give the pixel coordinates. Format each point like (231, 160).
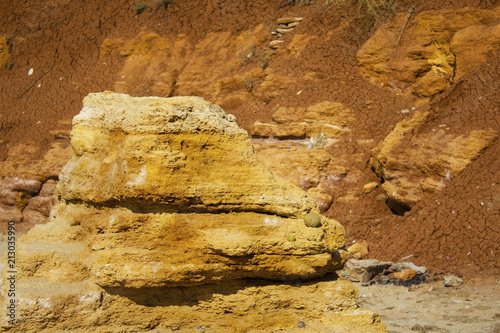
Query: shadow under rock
(193, 295)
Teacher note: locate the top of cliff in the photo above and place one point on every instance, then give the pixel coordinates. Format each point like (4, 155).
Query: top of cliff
(119, 112)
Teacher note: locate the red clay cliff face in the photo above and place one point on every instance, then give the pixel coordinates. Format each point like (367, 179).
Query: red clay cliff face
(231, 54)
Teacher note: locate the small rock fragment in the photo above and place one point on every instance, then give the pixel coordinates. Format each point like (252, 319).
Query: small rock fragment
(292, 24)
(283, 31)
(405, 274)
(363, 270)
(312, 220)
(408, 265)
(287, 20)
(368, 188)
(452, 281)
(358, 250)
(275, 43)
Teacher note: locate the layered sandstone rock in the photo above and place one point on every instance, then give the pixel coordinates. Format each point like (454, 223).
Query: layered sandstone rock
(413, 161)
(424, 54)
(331, 119)
(306, 146)
(182, 156)
(162, 211)
(314, 170)
(28, 182)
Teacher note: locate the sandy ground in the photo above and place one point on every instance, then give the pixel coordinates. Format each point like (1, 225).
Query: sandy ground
(430, 307)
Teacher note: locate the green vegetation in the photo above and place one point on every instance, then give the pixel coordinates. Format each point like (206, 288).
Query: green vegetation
(140, 7)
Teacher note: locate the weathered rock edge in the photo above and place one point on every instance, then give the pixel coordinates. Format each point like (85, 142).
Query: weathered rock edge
(163, 204)
(181, 154)
(168, 192)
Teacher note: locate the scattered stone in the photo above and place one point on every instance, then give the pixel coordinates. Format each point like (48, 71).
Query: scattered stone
(372, 271)
(313, 220)
(292, 24)
(283, 31)
(323, 199)
(452, 281)
(275, 43)
(399, 266)
(287, 20)
(404, 275)
(368, 188)
(358, 250)
(29, 186)
(286, 25)
(363, 270)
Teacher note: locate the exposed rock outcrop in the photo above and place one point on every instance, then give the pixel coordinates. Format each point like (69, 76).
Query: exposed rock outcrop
(162, 199)
(413, 162)
(285, 25)
(425, 54)
(159, 66)
(306, 141)
(326, 117)
(28, 183)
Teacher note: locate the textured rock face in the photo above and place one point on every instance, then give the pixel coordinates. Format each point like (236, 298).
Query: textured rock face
(186, 155)
(155, 65)
(165, 194)
(326, 117)
(413, 162)
(153, 172)
(27, 190)
(439, 47)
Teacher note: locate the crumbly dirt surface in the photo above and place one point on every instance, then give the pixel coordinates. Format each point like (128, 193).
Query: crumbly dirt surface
(432, 307)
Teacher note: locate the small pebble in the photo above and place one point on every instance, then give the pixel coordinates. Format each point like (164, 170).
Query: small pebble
(452, 281)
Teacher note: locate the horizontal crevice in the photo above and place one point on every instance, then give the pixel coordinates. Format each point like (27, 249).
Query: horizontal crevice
(139, 206)
(194, 294)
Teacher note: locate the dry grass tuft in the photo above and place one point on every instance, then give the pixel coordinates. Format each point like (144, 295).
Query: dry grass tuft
(382, 10)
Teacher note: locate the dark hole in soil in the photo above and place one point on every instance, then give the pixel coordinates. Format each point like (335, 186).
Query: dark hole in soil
(396, 207)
